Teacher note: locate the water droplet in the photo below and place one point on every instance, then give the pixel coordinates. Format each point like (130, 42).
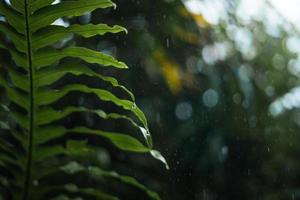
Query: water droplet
(168, 43)
(35, 182)
(224, 150)
(249, 172)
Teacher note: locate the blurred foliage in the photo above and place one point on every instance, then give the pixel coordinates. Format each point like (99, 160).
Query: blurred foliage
(207, 90)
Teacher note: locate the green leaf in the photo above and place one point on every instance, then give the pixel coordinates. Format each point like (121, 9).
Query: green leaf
(17, 39)
(52, 74)
(19, 59)
(98, 172)
(14, 18)
(18, 79)
(49, 57)
(38, 4)
(121, 141)
(14, 95)
(49, 14)
(46, 97)
(53, 34)
(18, 5)
(48, 133)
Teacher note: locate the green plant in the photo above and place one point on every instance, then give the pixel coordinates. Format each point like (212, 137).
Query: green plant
(40, 157)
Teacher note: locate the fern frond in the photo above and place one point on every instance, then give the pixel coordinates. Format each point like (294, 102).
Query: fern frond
(34, 146)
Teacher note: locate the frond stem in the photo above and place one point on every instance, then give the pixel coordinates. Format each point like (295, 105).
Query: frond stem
(28, 180)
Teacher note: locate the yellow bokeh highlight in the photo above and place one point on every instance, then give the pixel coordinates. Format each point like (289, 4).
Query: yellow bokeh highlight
(201, 21)
(170, 71)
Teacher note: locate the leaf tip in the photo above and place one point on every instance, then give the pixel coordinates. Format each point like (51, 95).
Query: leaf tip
(114, 6)
(157, 155)
(125, 30)
(124, 65)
